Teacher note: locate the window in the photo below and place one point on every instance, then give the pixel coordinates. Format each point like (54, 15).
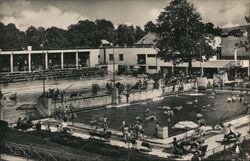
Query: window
(111, 57)
(141, 59)
(151, 55)
(120, 57)
(152, 67)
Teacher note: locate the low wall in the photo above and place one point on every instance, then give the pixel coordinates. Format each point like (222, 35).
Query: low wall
(86, 102)
(169, 89)
(47, 106)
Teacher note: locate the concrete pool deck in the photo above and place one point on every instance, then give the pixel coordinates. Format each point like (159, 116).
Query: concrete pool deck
(240, 123)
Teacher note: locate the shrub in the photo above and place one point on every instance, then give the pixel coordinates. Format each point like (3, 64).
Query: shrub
(95, 88)
(109, 88)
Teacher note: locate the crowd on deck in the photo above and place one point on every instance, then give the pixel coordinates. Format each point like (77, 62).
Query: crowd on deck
(54, 94)
(132, 131)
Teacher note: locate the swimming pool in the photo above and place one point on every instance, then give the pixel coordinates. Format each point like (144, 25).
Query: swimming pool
(214, 108)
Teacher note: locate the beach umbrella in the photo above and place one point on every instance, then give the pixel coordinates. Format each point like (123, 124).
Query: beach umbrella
(186, 125)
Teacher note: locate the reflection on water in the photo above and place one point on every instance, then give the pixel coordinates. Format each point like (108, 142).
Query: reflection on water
(215, 109)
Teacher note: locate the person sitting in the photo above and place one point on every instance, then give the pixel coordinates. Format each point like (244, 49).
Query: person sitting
(19, 123)
(24, 124)
(194, 145)
(65, 128)
(176, 148)
(230, 133)
(38, 126)
(125, 131)
(202, 137)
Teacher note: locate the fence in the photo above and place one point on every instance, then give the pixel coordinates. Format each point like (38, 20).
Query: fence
(41, 154)
(36, 153)
(224, 147)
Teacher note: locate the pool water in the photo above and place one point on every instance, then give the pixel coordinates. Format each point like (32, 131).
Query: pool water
(215, 109)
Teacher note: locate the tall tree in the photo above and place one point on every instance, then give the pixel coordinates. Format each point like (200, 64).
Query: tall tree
(125, 35)
(180, 34)
(106, 30)
(83, 34)
(139, 33)
(247, 43)
(35, 37)
(150, 27)
(11, 38)
(56, 38)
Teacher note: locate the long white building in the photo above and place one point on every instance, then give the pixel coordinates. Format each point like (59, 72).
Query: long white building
(141, 57)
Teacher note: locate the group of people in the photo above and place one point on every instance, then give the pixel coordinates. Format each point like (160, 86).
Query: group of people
(132, 131)
(195, 145)
(66, 112)
(23, 124)
(63, 127)
(228, 131)
(54, 94)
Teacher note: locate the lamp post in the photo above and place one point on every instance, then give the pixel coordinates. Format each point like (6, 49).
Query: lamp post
(200, 65)
(113, 64)
(115, 90)
(235, 59)
(200, 53)
(44, 67)
(1, 107)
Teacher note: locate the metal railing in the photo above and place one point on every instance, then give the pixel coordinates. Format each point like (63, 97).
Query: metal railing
(32, 152)
(224, 147)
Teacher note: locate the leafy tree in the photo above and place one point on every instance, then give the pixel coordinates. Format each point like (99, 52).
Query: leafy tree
(139, 33)
(248, 35)
(181, 35)
(35, 36)
(95, 88)
(211, 29)
(109, 87)
(125, 35)
(56, 38)
(150, 27)
(106, 30)
(11, 38)
(83, 34)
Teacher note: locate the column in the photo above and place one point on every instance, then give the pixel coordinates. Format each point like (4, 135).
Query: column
(11, 63)
(249, 68)
(46, 60)
(77, 59)
(62, 60)
(29, 61)
(202, 71)
(186, 70)
(172, 69)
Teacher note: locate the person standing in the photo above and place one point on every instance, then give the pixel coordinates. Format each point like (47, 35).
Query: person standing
(157, 127)
(105, 122)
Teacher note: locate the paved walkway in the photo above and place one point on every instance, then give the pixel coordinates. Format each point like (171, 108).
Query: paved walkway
(241, 124)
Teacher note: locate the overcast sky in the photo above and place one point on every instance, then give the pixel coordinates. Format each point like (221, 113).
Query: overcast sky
(62, 13)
